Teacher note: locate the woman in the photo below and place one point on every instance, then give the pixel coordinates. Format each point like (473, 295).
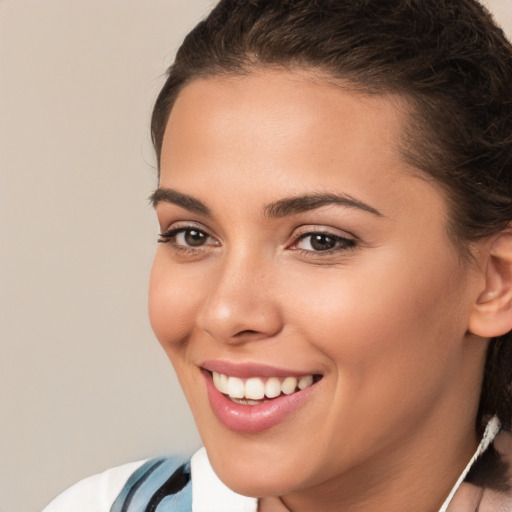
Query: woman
(334, 280)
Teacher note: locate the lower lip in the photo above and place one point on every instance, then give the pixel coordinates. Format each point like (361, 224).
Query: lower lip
(252, 419)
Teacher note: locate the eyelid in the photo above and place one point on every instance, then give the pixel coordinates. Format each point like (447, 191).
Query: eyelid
(184, 225)
(323, 230)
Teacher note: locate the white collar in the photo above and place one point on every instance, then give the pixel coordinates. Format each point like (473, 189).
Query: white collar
(209, 494)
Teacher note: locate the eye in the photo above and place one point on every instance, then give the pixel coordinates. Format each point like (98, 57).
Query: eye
(186, 238)
(322, 242)
(191, 237)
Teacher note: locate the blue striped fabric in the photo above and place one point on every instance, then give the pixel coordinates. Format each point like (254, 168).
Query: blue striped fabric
(160, 485)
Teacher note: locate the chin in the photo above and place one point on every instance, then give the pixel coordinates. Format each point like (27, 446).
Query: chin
(255, 486)
(256, 477)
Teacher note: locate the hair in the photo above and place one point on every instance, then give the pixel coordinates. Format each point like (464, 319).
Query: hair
(446, 58)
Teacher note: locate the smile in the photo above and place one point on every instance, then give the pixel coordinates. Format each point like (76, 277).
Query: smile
(252, 398)
(255, 389)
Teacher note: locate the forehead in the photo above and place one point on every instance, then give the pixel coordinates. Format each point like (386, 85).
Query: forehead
(281, 105)
(280, 133)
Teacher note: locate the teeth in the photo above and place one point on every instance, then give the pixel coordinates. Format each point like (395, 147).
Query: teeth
(305, 382)
(216, 381)
(272, 387)
(221, 382)
(236, 388)
(289, 385)
(224, 383)
(255, 388)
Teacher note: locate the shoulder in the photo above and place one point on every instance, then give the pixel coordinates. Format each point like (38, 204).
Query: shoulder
(489, 486)
(144, 485)
(95, 493)
(181, 487)
(498, 498)
(164, 479)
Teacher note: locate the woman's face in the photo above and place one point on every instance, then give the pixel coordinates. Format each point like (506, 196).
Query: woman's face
(300, 251)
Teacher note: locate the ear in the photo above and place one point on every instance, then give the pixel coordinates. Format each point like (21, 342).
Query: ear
(492, 312)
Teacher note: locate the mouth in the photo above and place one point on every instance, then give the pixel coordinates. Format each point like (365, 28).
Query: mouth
(257, 390)
(254, 398)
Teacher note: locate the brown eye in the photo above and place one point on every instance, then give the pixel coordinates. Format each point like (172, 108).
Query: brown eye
(194, 237)
(322, 242)
(187, 238)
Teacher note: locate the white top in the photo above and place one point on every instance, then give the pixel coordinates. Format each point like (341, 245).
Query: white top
(97, 493)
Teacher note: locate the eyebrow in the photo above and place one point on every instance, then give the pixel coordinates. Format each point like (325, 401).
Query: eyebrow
(282, 208)
(304, 203)
(168, 195)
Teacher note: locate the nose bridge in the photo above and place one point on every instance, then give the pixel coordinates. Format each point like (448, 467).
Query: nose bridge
(240, 303)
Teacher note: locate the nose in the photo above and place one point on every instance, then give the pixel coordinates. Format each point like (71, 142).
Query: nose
(241, 303)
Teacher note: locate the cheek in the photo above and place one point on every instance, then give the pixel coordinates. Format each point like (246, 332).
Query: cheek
(392, 351)
(372, 320)
(172, 303)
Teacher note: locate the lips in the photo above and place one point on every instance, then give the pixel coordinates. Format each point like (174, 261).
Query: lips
(253, 398)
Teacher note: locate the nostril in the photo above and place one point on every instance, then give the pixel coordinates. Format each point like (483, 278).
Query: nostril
(247, 332)
(248, 335)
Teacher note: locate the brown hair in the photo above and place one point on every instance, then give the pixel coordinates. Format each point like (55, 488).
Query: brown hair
(446, 57)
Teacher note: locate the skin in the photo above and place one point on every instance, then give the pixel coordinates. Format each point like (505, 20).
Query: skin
(383, 318)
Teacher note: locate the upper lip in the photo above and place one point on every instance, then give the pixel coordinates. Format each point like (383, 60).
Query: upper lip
(250, 369)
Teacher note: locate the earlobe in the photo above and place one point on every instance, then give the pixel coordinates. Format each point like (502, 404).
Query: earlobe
(492, 312)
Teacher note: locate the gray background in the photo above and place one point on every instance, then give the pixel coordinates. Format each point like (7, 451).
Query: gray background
(83, 384)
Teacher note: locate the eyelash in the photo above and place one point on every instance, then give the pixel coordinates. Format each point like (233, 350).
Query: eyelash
(168, 237)
(342, 244)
